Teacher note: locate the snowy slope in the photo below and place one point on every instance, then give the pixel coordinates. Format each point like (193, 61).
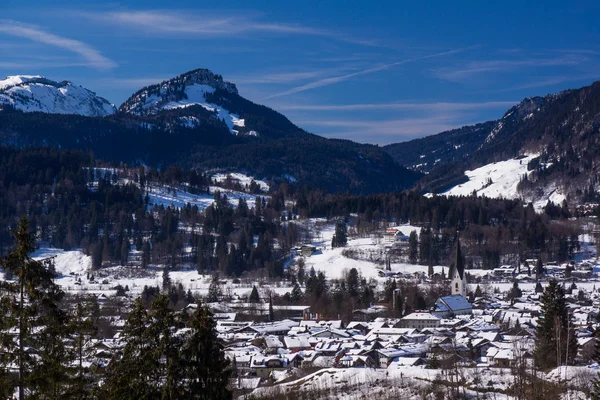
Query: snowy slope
(496, 180)
(36, 93)
(65, 262)
(501, 179)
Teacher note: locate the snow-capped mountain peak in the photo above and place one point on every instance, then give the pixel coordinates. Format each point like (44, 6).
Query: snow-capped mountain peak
(34, 93)
(193, 88)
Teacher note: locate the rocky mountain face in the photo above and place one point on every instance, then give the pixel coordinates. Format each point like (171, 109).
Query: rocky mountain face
(38, 94)
(199, 120)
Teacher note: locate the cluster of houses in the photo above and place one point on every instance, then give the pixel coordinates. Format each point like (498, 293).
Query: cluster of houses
(491, 332)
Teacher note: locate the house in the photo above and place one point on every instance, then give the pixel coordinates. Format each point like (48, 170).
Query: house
(297, 343)
(420, 320)
(506, 357)
(307, 250)
(262, 366)
(406, 362)
(451, 306)
(586, 347)
(356, 361)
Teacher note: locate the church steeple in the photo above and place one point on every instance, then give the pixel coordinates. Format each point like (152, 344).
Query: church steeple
(457, 272)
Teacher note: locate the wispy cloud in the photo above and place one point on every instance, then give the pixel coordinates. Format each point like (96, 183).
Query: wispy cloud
(210, 24)
(91, 56)
(472, 68)
(336, 79)
(423, 107)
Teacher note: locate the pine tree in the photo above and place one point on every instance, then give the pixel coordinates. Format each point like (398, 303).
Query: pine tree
(214, 290)
(82, 330)
(539, 288)
(301, 272)
(555, 337)
(340, 237)
(127, 376)
(34, 300)
(254, 297)
(413, 247)
(296, 294)
(539, 268)
(271, 312)
(166, 279)
(206, 370)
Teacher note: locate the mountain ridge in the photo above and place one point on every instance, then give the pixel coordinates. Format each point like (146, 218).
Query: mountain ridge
(197, 120)
(35, 93)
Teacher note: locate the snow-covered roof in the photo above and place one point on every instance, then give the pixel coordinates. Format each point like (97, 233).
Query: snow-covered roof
(419, 316)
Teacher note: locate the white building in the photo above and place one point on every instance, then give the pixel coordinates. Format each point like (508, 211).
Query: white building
(420, 320)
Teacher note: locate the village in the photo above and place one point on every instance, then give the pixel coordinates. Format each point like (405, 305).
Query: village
(474, 328)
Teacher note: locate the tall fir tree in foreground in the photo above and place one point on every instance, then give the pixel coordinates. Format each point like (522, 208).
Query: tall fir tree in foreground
(168, 355)
(32, 299)
(556, 342)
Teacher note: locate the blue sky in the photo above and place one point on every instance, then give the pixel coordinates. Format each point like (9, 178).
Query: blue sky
(376, 72)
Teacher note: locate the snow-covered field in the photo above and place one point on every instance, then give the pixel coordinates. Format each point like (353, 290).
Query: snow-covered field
(75, 274)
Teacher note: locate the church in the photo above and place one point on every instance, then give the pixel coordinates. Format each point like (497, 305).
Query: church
(458, 280)
(457, 303)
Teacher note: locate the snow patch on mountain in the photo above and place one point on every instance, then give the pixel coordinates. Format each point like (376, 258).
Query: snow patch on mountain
(34, 93)
(501, 179)
(495, 180)
(244, 180)
(195, 95)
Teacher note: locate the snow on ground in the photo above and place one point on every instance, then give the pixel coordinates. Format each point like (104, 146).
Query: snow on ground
(495, 180)
(74, 270)
(550, 193)
(334, 264)
(180, 197)
(65, 262)
(393, 382)
(244, 180)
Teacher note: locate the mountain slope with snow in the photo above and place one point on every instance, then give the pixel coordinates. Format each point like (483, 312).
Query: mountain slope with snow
(193, 88)
(37, 94)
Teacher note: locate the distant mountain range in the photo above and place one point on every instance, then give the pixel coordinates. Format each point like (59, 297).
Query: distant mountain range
(199, 120)
(194, 120)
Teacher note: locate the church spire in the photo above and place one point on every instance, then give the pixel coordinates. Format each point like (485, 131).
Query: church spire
(459, 261)
(456, 274)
